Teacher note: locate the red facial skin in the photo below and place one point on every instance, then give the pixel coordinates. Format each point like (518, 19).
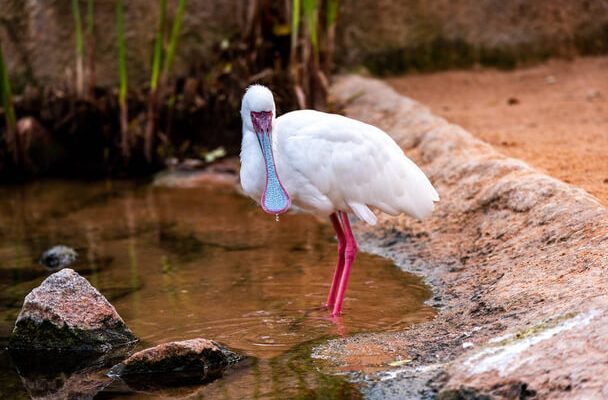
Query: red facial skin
(262, 121)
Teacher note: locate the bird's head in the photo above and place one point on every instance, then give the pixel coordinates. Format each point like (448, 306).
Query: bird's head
(258, 113)
(258, 109)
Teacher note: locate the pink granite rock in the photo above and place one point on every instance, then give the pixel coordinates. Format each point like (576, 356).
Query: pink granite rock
(197, 355)
(66, 313)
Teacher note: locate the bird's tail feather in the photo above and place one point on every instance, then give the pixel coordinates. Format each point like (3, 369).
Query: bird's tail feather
(363, 213)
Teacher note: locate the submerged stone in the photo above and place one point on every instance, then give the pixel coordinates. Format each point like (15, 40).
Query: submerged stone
(66, 313)
(52, 374)
(58, 257)
(175, 362)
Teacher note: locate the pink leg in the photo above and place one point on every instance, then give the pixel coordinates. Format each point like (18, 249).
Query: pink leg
(335, 221)
(349, 257)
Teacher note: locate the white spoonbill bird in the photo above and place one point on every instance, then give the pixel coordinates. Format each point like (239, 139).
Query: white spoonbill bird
(327, 165)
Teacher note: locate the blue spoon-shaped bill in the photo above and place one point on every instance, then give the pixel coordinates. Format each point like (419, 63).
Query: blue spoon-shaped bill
(275, 199)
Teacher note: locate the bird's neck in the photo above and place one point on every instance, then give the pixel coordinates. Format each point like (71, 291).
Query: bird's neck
(252, 165)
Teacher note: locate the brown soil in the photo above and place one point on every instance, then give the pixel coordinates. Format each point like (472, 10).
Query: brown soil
(553, 116)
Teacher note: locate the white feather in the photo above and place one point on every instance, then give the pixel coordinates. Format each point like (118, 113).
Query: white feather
(328, 162)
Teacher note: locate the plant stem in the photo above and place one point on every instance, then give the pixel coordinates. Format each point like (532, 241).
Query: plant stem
(294, 68)
(172, 46)
(158, 45)
(79, 48)
(332, 16)
(90, 49)
(9, 110)
(152, 116)
(296, 9)
(122, 73)
(168, 63)
(310, 14)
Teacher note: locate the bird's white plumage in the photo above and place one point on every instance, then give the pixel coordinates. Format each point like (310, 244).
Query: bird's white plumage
(328, 162)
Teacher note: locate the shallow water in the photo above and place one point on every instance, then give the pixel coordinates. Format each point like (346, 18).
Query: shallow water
(185, 263)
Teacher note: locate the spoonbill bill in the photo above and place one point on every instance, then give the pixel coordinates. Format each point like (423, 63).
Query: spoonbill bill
(327, 165)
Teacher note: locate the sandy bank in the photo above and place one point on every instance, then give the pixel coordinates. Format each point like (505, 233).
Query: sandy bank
(517, 260)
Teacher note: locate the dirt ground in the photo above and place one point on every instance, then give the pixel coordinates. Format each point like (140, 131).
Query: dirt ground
(553, 116)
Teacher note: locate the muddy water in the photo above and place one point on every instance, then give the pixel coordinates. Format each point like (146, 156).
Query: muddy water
(184, 263)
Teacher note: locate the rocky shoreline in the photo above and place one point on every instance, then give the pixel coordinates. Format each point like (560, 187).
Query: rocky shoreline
(516, 260)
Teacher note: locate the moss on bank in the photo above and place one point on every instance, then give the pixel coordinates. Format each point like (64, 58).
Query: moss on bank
(441, 53)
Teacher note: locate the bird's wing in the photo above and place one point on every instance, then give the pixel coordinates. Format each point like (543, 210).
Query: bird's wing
(355, 164)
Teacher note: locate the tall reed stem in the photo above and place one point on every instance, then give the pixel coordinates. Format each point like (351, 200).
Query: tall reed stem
(12, 141)
(90, 48)
(79, 49)
(296, 10)
(125, 142)
(310, 15)
(331, 14)
(173, 39)
(152, 116)
(168, 64)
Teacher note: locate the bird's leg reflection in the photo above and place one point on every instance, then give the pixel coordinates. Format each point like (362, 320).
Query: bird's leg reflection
(339, 327)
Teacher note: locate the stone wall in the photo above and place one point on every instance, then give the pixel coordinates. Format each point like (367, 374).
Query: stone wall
(386, 35)
(391, 36)
(39, 40)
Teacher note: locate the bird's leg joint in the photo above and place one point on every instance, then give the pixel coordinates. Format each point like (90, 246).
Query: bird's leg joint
(351, 250)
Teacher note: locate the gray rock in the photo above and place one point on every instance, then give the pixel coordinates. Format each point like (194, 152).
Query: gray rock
(58, 257)
(66, 313)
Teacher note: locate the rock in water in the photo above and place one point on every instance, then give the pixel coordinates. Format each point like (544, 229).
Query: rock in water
(58, 257)
(171, 361)
(66, 313)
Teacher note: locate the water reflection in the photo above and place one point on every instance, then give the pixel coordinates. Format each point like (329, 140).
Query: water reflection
(178, 264)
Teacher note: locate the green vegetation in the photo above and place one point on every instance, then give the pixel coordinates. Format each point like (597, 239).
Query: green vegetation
(440, 53)
(90, 48)
(122, 73)
(79, 48)
(162, 64)
(309, 72)
(311, 10)
(536, 329)
(158, 45)
(173, 39)
(9, 110)
(295, 28)
(152, 115)
(331, 14)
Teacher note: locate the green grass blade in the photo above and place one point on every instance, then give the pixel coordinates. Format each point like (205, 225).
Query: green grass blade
(78, 28)
(122, 64)
(175, 30)
(7, 96)
(79, 48)
(158, 45)
(296, 9)
(331, 12)
(89, 17)
(9, 111)
(310, 14)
